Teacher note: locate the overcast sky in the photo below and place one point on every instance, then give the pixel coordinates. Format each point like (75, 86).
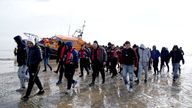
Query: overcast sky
(160, 22)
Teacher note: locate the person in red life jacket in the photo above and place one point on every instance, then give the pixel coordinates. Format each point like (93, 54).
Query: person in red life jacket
(98, 58)
(89, 55)
(61, 51)
(119, 53)
(135, 48)
(128, 63)
(113, 61)
(71, 63)
(83, 55)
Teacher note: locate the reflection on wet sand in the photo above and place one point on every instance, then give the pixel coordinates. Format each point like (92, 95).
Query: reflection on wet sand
(159, 91)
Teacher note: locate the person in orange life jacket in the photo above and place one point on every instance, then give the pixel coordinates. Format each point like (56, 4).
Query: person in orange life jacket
(83, 55)
(71, 63)
(98, 59)
(135, 48)
(34, 57)
(128, 63)
(113, 61)
(61, 51)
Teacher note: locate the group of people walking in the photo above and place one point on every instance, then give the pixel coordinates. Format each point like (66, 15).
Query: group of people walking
(132, 61)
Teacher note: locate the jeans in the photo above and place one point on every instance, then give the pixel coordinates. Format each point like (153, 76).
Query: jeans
(127, 69)
(175, 70)
(143, 65)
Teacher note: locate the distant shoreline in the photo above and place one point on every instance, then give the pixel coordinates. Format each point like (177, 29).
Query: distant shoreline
(7, 59)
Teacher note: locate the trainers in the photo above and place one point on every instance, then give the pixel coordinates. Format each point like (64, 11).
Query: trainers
(145, 81)
(20, 89)
(103, 82)
(44, 70)
(25, 98)
(75, 82)
(81, 75)
(137, 81)
(41, 92)
(59, 82)
(56, 72)
(91, 84)
(67, 92)
(131, 90)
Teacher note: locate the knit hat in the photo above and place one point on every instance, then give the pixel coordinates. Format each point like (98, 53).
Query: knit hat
(127, 42)
(95, 42)
(31, 39)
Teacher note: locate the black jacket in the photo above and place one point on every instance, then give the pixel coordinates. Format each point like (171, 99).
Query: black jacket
(21, 51)
(128, 56)
(176, 56)
(34, 55)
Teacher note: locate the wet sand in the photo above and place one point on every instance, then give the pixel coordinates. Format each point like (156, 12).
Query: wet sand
(158, 92)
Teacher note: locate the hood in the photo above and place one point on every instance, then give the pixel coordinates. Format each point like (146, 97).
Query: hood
(142, 46)
(69, 44)
(19, 41)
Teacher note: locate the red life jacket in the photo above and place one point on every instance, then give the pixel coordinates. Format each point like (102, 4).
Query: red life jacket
(69, 56)
(62, 52)
(98, 54)
(82, 53)
(136, 59)
(113, 53)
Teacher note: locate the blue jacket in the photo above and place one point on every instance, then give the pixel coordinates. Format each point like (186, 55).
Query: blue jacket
(46, 52)
(155, 54)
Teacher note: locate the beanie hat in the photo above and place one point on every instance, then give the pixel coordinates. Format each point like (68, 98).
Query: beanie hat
(31, 39)
(95, 42)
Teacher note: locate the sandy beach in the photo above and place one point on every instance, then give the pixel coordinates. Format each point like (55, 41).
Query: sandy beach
(159, 91)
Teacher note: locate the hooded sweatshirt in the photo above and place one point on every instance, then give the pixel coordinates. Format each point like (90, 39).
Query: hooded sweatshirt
(21, 51)
(144, 54)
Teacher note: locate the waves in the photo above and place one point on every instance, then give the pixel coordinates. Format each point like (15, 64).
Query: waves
(7, 59)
